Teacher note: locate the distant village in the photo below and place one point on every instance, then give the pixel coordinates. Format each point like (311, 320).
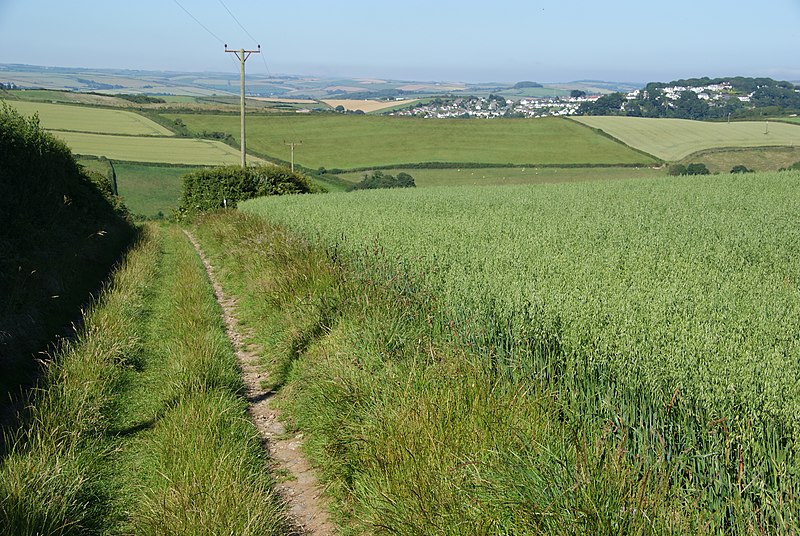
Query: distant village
(496, 106)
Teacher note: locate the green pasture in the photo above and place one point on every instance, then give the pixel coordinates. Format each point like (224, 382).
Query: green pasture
(89, 119)
(152, 149)
(507, 176)
(674, 139)
(147, 189)
(351, 141)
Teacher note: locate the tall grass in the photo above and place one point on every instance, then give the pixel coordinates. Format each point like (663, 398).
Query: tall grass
(54, 476)
(140, 427)
(199, 464)
(413, 433)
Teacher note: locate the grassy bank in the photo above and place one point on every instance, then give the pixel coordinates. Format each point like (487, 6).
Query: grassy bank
(415, 432)
(140, 426)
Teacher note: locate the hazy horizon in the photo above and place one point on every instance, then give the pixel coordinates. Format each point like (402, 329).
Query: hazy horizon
(624, 41)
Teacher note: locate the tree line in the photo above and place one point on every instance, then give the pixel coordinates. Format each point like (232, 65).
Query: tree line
(766, 97)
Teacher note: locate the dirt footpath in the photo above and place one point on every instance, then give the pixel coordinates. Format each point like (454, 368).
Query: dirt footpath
(297, 483)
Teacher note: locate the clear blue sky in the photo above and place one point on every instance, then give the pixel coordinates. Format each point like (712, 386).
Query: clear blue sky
(443, 40)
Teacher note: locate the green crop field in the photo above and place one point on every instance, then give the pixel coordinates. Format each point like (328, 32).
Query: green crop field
(663, 311)
(347, 142)
(674, 139)
(89, 119)
(502, 176)
(152, 149)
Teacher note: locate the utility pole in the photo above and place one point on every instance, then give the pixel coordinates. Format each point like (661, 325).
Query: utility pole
(292, 144)
(243, 54)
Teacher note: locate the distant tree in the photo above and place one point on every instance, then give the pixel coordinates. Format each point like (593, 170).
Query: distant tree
(676, 169)
(741, 169)
(526, 84)
(339, 109)
(697, 169)
(690, 106)
(577, 93)
(404, 180)
(610, 104)
(379, 179)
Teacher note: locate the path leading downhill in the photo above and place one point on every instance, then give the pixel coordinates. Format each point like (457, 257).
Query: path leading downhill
(301, 491)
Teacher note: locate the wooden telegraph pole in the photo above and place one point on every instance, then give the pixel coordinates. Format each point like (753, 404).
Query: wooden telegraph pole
(243, 54)
(292, 145)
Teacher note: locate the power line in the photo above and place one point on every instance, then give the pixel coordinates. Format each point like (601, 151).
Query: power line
(237, 22)
(215, 36)
(263, 56)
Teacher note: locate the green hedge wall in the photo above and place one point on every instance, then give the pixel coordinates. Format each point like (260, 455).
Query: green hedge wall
(210, 189)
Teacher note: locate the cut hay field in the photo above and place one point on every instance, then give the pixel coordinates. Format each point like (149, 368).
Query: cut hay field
(674, 139)
(365, 105)
(507, 176)
(89, 119)
(757, 159)
(348, 142)
(152, 149)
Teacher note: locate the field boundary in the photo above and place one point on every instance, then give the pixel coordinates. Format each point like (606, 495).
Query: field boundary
(702, 152)
(479, 165)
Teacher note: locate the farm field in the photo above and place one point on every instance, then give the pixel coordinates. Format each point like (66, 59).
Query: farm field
(366, 106)
(347, 142)
(506, 176)
(665, 306)
(148, 190)
(89, 119)
(757, 159)
(675, 139)
(152, 149)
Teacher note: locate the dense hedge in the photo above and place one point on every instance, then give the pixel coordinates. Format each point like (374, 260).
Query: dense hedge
(210, 189)
(61, 229)
(379, 179)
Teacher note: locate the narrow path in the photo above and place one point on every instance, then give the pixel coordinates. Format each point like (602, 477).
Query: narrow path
(301, 490)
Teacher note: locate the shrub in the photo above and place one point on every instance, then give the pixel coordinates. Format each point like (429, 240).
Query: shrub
(206, 190)
(741, 169)
(676, 169)
(697, 169)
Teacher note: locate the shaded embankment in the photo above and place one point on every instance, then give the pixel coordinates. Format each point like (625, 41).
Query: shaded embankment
(140, 426)
(60, 232)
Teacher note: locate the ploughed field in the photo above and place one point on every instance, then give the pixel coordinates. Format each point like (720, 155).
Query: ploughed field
(666, 309)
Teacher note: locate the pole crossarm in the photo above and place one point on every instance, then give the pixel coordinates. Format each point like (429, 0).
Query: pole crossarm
(243, 54)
